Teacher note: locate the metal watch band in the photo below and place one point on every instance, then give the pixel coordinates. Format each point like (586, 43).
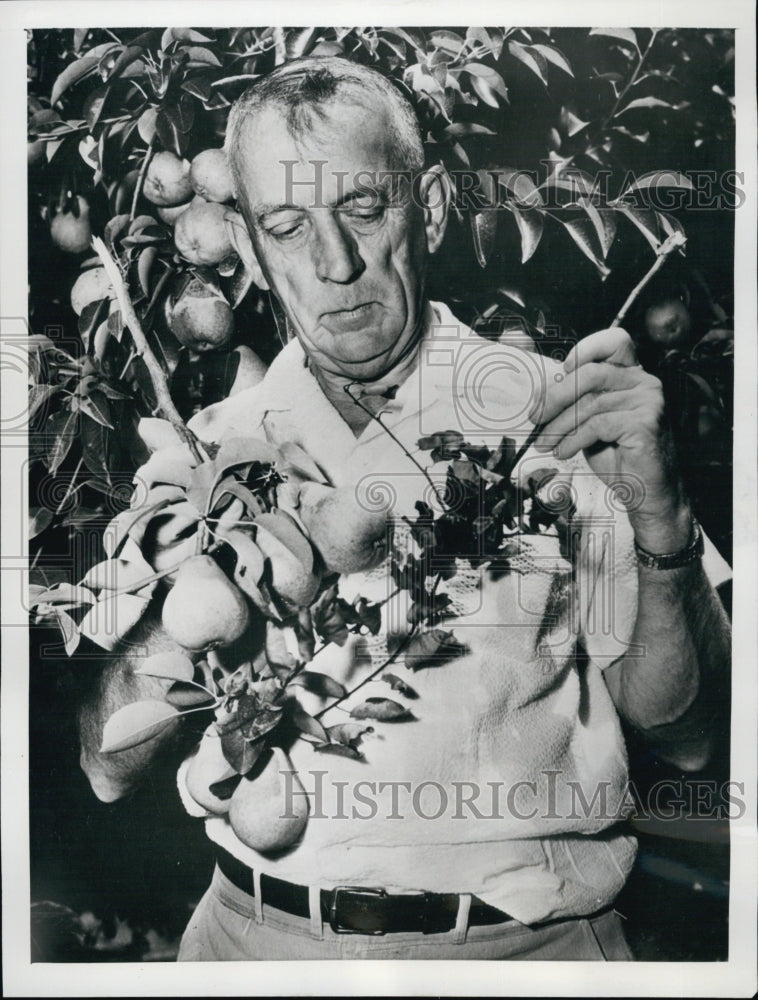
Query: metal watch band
(673, 560)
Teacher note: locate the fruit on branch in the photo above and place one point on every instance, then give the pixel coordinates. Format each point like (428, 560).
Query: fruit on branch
(210, 176)
(167, 179)
(72, 232)
(202, 318)
(200, 233)
(204, 609)
(207, 767)
(269, 811)
(250, 370)
(349, 537)
(91, 285)
(290, 558)
(668, 323)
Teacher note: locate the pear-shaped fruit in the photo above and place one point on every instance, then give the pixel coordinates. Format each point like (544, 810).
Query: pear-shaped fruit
(204, 609)
(269, 811)
(167, 179)
(200, 233)
(202, 319)
(349, 538)
(91, 285)
(290, 556)
(210, 175)
(71, 232)
(207, 767)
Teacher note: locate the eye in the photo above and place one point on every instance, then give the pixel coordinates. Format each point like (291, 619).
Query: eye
(287, 232)
(365, 214)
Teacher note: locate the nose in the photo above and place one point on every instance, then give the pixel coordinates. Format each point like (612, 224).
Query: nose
(337, 257)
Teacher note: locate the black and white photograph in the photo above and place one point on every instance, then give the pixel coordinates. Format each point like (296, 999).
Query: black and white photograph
(379, 500)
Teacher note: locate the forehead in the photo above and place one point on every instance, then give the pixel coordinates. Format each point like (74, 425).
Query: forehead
(332, 156)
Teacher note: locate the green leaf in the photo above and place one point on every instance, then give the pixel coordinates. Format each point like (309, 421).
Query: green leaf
(134, 724)
(240, 753)
(40, 518)
(78, 70)
(582, 232)
(111, 618)
(644, 219)
(625, 35)
(112, 229)
(67, 593)
(555, 56)
(96, 441)
(68, 628)
(130, 54)
(119, 574)
(397, 684)
(62, 428)
(520, 185)
(532, 59)
(348, 733)
(173, 665)
(124, 525)
(95, 405)
(643, 102)
(531, 224)
(189, 696)
(320, 684)
(182, 35)
(306, 722)
(604, 221)
(490, 76)
(381, 709)
(659, 178)
(447, 40)
(199, 55)
(461, 130)
(431, 649)
(39, 395)
(484, 231)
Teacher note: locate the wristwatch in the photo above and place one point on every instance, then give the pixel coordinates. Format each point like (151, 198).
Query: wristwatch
(673, 560)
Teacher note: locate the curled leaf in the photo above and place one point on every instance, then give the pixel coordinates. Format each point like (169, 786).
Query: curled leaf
(172, 665)
(135, 724)
(319, 684)
(397, 684)
(348, 733)
(381, 709)
(432, 649)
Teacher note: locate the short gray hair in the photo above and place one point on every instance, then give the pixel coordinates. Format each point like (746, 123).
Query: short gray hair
(302, 87)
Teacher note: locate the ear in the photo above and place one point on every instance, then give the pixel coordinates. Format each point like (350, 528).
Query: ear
(434, 194)
(240, 237)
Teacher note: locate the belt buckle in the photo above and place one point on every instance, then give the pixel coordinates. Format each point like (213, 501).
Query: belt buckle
(334, 917)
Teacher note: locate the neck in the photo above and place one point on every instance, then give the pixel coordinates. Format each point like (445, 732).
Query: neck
(357, 400)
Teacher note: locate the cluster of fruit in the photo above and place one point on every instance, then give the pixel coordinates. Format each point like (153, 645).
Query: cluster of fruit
(189, 218)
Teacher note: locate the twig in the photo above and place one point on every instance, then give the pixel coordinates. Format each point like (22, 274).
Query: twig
(398, 442)
(663, 252)
(141, 178)
(143, 350)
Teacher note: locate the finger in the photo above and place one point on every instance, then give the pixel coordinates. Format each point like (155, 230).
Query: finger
(614, 346)
(601, 428)
(565, 389)
(589, 405)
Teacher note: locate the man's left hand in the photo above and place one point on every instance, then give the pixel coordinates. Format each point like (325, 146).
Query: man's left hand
(606, 405)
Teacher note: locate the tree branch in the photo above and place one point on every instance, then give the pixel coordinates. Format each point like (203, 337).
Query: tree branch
(143, 350)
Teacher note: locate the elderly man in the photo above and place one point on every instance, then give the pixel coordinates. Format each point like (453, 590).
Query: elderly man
(344, 221)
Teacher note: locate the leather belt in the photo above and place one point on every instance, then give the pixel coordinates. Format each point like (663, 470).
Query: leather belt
(358, 910)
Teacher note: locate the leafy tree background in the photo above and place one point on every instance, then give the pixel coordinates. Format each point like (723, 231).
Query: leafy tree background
(556, 142)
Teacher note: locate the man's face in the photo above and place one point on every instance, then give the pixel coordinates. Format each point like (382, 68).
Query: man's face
(345, 257)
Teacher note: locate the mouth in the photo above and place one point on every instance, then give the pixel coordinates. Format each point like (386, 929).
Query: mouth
(349, 319)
